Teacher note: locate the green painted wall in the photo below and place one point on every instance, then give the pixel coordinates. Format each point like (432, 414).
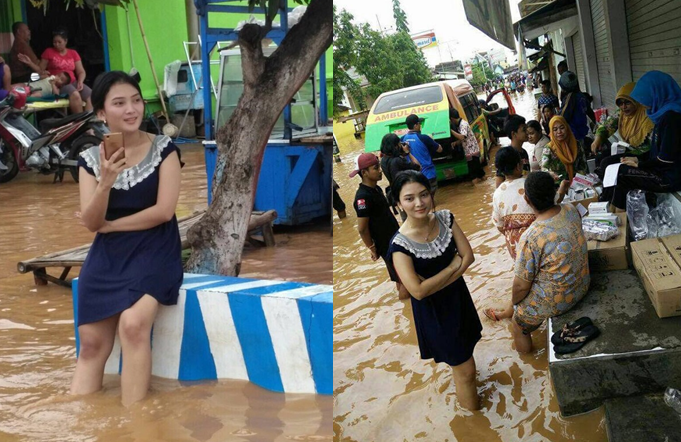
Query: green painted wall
(165, 26)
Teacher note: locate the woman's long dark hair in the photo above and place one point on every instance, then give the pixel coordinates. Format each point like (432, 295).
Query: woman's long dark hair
(103, 84)
(390, 145)
(408, 176)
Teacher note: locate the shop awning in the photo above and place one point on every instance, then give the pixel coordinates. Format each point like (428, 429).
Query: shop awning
(546, 19)
(493, 17)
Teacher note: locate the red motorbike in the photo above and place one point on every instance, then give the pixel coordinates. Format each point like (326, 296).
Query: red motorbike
(51, 150)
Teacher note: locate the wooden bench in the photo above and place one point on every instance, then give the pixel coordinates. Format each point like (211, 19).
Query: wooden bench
(261, 222)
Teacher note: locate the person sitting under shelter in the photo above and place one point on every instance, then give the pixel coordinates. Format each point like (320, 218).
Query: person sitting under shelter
(22, 59)
(563, 156)
(661, 95)
(629, 124)
(59, 58)
(552, 266)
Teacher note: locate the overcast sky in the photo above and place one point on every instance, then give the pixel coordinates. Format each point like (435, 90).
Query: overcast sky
(458, 39)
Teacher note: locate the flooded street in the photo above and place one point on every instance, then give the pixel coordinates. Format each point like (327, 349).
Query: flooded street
(37, 352)
(383, 391)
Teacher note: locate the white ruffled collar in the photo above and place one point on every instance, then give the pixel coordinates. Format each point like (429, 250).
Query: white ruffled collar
(434, 248)
(134, 175)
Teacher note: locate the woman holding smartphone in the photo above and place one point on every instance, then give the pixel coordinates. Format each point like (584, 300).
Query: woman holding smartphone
(128, 197)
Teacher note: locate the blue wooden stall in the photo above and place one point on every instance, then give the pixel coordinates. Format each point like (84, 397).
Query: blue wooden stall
(295, 177)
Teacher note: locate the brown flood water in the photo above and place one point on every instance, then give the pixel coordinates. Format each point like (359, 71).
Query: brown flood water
(37, 352)
(383, 391)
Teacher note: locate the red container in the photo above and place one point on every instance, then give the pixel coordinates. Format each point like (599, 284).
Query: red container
(601, 114)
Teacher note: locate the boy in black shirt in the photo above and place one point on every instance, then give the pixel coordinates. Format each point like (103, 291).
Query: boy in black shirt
(515, 129)
(375, 223)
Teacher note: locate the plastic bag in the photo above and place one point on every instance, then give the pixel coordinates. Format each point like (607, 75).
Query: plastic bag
(599, 231)
(637, 213)
(662, 220)
(651, 221)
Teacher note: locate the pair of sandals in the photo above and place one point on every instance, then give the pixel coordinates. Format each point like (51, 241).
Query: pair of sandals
(574, 335)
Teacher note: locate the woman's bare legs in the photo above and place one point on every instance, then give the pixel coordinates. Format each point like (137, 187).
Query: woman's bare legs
(466, 386)
(96, 342)
(134, 330)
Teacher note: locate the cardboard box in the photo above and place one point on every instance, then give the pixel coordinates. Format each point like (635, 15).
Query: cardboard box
(585, 202)
(657, 262)
(613, 254)
(600, 207)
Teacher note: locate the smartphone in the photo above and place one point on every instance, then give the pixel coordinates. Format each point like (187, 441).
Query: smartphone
(112, 142)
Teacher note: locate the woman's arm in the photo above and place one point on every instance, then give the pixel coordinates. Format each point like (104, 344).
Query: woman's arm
(418, 288)
(166, 202)
(421, 289)
(94, 196)
(80, 76)
(521, 289)
(465, 251)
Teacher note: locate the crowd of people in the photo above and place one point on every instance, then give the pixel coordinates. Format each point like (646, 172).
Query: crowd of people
(59, 68)
(428, 253)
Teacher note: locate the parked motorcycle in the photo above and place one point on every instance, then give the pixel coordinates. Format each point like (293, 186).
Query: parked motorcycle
(53, 149)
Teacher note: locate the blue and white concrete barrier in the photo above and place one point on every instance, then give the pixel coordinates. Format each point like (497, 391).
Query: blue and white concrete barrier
(276, 334)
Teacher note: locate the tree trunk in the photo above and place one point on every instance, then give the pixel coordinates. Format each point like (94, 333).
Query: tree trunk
(269, 84)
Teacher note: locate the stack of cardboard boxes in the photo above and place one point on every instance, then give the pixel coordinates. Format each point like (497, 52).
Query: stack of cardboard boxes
(658, 263)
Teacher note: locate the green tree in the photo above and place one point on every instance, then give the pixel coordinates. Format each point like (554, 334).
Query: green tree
(344, 58)
(401, 23)
(387, 62)
(481, 73)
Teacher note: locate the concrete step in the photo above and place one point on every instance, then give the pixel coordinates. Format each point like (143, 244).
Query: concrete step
(641, 418)
(276, 334)
(636, 353)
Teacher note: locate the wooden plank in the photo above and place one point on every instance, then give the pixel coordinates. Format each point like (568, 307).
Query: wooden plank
(75, 257)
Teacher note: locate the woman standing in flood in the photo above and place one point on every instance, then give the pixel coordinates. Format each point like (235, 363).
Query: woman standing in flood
(134, 263)
(430, 254)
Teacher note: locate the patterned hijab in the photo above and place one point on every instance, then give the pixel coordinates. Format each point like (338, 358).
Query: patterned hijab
(565, 150)
(659, 92)
(635, 128)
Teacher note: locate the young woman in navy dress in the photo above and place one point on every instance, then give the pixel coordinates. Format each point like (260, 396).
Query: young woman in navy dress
(134, 263)
(430, 254)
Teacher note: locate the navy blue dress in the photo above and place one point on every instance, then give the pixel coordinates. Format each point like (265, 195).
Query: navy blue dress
(121, 267)
(447, 323)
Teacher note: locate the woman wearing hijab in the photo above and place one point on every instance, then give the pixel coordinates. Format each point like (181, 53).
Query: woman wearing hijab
(631, 124)
(564, 156)
(575, 105)
(659, 172)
